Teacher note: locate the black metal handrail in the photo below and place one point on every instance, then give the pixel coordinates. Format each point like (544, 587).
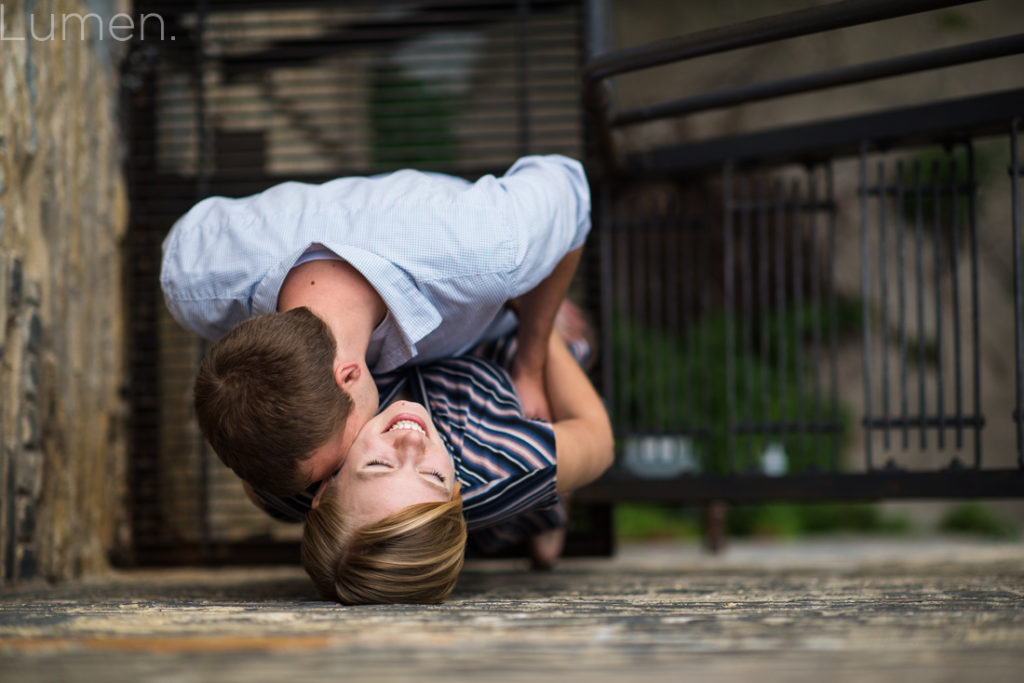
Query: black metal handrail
(756, 32)
(847, 75)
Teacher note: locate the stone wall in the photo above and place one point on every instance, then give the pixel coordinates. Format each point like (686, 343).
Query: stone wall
(62, 223)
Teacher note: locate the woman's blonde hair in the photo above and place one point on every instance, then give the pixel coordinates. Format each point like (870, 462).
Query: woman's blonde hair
(412, 556)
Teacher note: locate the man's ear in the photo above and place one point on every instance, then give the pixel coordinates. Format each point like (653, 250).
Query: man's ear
(346, 374)
(319, 493)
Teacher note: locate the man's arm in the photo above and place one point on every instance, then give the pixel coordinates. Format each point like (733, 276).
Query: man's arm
(537, 309)
(584, 442)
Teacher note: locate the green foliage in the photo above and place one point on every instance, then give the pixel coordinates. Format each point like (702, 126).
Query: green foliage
(953, 20)
(975, 518)
(412, 123)
(679, 384)
(651, 521)
(938, 167)
(784, 520)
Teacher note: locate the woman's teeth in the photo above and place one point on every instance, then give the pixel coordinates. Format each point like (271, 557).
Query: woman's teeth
(407, 424)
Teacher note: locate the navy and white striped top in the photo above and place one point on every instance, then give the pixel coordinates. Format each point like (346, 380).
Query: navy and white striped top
(504, 462)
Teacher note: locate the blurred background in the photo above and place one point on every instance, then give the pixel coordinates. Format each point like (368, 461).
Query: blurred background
(801, 276)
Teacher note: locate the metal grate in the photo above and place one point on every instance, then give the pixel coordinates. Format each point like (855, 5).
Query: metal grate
(238, 96)
(795, 311)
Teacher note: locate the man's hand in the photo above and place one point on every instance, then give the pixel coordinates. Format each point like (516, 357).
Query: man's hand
(530, 389)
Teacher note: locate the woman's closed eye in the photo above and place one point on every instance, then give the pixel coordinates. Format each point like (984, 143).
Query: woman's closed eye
(431, 472)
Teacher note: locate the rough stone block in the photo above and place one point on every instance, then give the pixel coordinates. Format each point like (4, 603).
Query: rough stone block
(28, 565)
(5, 308)
(26, 523)
(29, 473)
(16, 284)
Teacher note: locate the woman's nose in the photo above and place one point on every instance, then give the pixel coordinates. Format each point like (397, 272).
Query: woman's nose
(409, 441)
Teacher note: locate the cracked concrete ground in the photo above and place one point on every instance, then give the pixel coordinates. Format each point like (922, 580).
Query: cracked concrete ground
(833, 609)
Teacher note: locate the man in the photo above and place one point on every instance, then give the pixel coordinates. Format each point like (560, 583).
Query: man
(310, 288)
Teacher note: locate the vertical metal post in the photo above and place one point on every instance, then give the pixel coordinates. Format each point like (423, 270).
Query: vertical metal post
(902, 302)
(204, 160)
(747, 293)
(798, 303)
(816, 365)
(919, 260)
(937, 244)
(730, 331)
(705, 308)
(781, 328)
(682, 326)
(1018, 313)
(522, 69)
(972, 200)
(883, 272)
(607, 280)
(865, 280)
(833, 333)
(764, 291)
(954, 258)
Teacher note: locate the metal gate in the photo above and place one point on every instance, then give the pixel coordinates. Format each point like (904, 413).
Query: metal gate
(802, 311)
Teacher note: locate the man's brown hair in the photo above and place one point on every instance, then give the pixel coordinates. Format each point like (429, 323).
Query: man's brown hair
(412, 556)
(266, 398)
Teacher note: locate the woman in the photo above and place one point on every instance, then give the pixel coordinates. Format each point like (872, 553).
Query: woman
(451, 452)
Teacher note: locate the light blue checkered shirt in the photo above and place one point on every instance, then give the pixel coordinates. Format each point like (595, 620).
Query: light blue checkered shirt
(444, 254)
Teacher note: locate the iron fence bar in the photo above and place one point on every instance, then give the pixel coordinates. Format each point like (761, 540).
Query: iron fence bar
(730, 332)
(919, 279)
(747, 293)
(781, 327)
(652, 237)
(902, 298)
(764, 292)
(626, 377)
(975, 308)
(798, 299)
(1018, 306)
(680, 317)
(939, 332)
(755, 32)
(522, 69)
(812, 189)
(202, 188)
(833, 314)
(847, 75)
(883, 271)
(605, 227)
(865, 278)
(705, 307)
(945, 120)
(954, 257)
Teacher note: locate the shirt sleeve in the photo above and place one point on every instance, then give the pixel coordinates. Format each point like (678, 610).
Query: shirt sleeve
(548, 200)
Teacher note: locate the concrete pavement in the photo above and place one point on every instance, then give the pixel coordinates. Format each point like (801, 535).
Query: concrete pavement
(834, 609)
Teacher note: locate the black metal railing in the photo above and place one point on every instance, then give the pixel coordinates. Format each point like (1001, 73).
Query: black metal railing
(731, 380)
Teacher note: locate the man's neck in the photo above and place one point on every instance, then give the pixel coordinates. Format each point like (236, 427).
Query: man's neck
(338, 294)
